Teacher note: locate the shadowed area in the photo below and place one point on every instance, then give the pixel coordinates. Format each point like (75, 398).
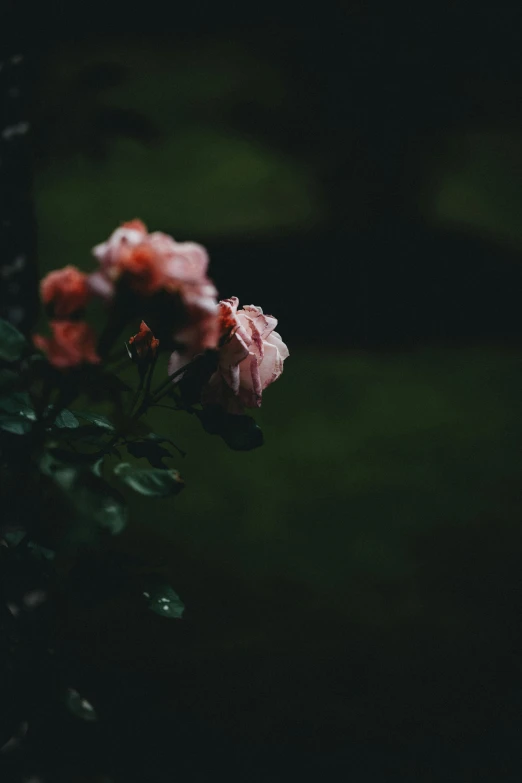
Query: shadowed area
(352, 589)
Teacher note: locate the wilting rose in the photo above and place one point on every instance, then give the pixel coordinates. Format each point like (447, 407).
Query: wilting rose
(65, 290)
(250, 358)
(73, 343)
(143, 346)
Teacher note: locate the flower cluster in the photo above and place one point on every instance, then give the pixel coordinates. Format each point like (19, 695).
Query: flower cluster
(146, 265)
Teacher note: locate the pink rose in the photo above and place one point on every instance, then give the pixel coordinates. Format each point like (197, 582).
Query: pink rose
(73, 343)
(181, 261)
(155, 262)
(111, 255)
(250, 358)
(151, 262)
(110, 252)
(65, 290)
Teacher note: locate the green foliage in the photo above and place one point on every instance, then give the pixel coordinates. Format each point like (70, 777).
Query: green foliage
(16, 413)
(162, 600)
(14, 425)
(18, 404)
(12, 342)
(154, 483)
(66, 420)
(14, 538)
(95, 505)
(80, 707)
(41, 552)
(97, 419)
(149, 448)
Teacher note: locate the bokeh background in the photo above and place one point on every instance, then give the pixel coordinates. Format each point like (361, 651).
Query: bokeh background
(353, 588)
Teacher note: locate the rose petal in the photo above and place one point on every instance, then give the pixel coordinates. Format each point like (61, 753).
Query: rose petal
(264, 323)
(275, 339)
(101, 286)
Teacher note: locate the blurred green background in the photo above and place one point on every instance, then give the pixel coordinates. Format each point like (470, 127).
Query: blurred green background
(352, 588)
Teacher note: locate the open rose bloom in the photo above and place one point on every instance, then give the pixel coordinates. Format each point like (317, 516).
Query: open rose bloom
(250, 358)
(150, 263)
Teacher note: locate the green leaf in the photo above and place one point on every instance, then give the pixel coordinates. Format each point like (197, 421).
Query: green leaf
(150, 451)
(97, 468)
(18, 404)
(66, 420)
(153, 482)
(95, 504)
(79, 706)
(161, 599)
(15, 425)
(240, 433)
(12, 342)
(97, 419)
(13, 538)
(41, 552)
(165, 439)
(88, 435)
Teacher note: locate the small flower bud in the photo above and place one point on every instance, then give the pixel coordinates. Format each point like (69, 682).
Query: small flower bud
(143, 346)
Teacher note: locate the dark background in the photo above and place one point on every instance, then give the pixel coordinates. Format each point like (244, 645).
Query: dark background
(353, 588)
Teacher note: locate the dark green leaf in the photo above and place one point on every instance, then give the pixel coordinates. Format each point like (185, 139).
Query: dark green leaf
(95, 504)
(165, 439)
(88, 435)
(14, 538)
(97, 419)
(97, 468)
(41, 552)
(17, 426)
(12, 342)
(153, 482)
(18, 404)
(240, 433)
(80, 706)
(150, 451)
(162, 600)
(66, 420)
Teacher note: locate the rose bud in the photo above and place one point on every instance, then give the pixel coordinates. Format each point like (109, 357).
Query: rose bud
(143, 347)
